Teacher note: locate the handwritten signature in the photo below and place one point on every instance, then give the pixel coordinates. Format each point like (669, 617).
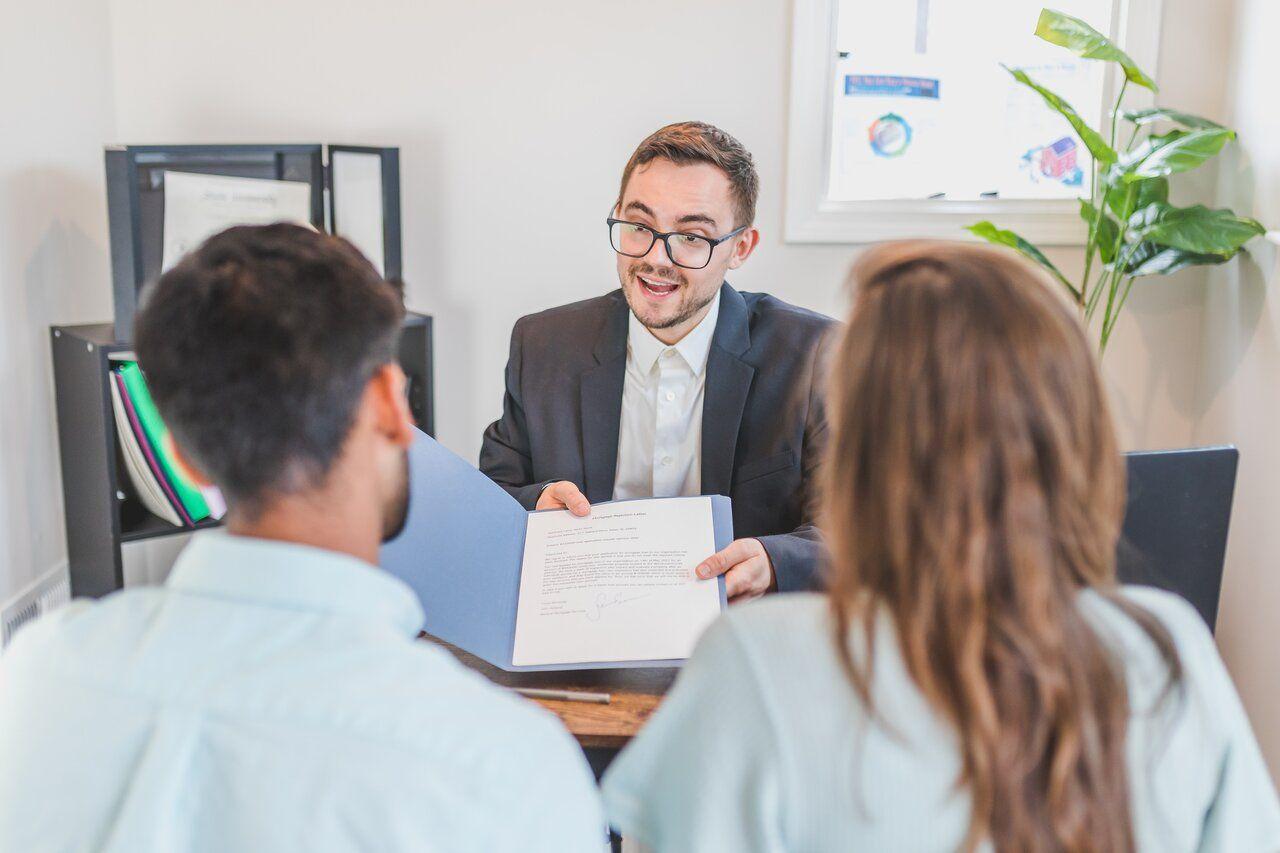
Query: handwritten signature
(605, 600)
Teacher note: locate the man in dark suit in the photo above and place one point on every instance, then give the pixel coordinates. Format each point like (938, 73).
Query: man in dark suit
(676, 384)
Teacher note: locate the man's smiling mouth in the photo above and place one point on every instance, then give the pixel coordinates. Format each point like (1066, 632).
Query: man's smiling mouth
(657, 288)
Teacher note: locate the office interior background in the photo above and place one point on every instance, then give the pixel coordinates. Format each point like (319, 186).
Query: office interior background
(514, 120)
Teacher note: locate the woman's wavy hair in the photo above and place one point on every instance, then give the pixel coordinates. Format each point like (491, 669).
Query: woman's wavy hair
(973, 489)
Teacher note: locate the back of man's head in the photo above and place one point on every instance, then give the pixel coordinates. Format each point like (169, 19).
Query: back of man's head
(257, 347)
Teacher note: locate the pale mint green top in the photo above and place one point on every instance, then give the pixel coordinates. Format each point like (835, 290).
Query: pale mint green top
(272, 697)
(762, 745)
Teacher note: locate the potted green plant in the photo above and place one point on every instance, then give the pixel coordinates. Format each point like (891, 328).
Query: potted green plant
(1133, 229)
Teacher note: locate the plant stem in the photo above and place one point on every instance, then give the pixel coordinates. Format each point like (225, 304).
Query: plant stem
(1119, 264)
(1110, 277)
(1124, 295)
(1106, 314)
(1093, 297)
(1112, 312)
(1115, 111)
(1089, 304)
(1093, 234)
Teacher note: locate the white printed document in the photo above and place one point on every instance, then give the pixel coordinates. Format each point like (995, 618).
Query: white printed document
(617, 585)
(550, 591)
(198, 206)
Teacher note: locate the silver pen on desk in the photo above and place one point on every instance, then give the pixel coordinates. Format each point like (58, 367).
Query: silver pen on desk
(564, 695)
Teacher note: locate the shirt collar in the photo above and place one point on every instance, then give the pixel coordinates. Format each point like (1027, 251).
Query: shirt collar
(644, 349)
(293, 577)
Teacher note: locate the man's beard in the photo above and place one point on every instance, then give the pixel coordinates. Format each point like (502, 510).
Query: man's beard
(396, 510)
(691, 308)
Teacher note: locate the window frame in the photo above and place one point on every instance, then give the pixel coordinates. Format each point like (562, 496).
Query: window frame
(811, 217)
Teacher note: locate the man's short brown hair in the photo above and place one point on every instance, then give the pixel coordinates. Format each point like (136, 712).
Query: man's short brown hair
(299, 321)
(689, 142)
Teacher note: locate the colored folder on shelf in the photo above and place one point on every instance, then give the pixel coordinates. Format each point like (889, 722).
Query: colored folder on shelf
(144, 471)
(153, 459)
(188, 494)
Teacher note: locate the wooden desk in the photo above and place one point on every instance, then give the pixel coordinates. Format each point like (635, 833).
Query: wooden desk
(636, 694)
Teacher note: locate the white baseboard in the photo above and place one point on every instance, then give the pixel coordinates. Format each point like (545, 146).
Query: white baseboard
(47, 592)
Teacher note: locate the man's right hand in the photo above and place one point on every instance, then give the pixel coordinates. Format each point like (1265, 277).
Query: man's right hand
(564, 495)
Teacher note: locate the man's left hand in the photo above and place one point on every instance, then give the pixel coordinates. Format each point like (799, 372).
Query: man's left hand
(747, 570)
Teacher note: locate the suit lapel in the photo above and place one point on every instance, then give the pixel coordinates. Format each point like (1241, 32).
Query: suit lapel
(725, 399)
(601, 402)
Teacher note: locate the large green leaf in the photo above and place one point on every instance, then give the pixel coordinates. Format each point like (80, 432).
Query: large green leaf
(1173, 152)
(1083, 40)
(1151, 259)
(989, 232)
(1135, 155)
(1177, 116)
(1092, 140)
(1124, 198)
(1194, 229)
(1107, 229)
(1150, 191)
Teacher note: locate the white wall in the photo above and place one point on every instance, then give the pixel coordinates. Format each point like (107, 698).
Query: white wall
(1153, 360)
(514, 120)
(55, 112)
(1240, 378)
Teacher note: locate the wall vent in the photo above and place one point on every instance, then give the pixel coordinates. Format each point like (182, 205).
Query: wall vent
(46, 593)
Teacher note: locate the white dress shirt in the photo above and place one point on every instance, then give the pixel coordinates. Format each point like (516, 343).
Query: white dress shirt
(660, 434)
(272, 697)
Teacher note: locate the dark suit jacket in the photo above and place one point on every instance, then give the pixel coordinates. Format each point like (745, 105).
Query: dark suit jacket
(763, 421)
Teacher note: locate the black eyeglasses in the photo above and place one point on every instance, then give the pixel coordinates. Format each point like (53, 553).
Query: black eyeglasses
(691, 251)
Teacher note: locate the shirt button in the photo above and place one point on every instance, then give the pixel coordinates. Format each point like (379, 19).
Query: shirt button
(666, 460)
(667, 353)
(671, 395)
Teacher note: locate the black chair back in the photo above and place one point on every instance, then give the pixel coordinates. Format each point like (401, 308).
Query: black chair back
(1175, 526)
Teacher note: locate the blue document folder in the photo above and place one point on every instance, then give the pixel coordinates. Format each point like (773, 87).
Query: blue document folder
(462, 548)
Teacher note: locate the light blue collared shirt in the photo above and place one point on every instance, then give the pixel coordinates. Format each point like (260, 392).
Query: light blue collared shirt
(764, 747)
(272, 697)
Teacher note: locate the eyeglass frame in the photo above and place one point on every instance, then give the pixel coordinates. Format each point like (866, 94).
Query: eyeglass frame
(665, 237)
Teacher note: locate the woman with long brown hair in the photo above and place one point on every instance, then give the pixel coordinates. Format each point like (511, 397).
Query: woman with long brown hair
(974, 678)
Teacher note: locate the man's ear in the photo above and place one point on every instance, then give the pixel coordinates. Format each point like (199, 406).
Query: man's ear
(743, 247)
(391, 415)
(186, 467)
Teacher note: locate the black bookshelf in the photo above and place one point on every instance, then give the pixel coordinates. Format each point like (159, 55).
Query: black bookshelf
(103, 511)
